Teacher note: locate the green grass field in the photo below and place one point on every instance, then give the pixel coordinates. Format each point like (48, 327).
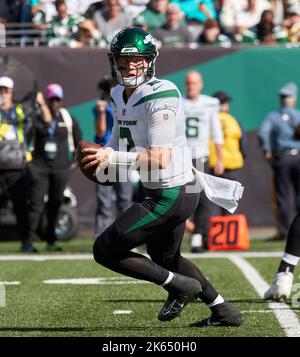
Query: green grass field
(34, 308)
(84, 244)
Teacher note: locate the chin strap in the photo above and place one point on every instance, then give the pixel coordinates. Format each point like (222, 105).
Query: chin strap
(127, 82)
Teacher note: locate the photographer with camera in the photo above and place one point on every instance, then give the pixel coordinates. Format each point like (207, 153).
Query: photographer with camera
(55, 138)
(122, 190)
(281, 146)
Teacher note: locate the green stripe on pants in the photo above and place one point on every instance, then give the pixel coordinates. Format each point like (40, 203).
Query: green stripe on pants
(166, 202)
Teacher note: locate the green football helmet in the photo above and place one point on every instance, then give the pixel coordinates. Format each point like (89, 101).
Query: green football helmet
(133, 41)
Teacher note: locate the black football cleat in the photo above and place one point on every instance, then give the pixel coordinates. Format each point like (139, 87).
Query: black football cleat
(223, 314)
(182, 290)
(27, 247)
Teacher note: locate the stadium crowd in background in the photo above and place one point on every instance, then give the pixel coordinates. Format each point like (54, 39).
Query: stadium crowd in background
(93, 23)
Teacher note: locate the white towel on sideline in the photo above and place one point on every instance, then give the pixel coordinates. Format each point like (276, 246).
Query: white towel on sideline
(224, 193)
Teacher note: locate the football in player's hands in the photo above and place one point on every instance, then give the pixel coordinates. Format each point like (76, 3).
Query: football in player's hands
(90, 172)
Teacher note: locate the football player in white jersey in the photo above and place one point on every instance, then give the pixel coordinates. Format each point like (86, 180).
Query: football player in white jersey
(148, 115)
(202, 122)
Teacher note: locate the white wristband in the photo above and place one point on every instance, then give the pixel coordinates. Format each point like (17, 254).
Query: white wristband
(122, 158)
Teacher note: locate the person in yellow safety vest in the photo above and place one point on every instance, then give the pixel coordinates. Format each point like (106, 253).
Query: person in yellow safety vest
(15, 125)
(234, 150)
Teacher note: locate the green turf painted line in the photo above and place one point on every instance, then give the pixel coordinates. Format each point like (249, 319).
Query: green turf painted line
(286, 317)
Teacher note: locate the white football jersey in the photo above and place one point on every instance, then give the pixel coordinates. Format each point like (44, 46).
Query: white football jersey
(153, 116)
(202, 120)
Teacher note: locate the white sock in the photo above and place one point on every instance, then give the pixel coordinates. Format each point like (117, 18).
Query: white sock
(218, 300)
(169, 278)
(196, 240)
(291, 259)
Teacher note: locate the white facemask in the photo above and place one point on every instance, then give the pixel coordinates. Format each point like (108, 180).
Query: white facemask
(131, 82)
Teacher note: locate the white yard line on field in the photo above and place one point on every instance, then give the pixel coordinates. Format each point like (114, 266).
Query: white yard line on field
(97, 281)
(256, 311)
(45, 257)
(10, 282)
(226, 254)
(3, 291)
(122, 312)
(286, 317)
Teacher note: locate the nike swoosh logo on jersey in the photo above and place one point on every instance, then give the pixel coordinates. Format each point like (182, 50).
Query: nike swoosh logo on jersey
(156, 88)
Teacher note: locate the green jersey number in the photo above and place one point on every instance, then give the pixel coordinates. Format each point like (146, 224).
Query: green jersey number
(126, 134)
(192, 129)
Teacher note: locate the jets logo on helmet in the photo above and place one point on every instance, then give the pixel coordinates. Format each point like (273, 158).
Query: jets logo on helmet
(133, 41)
(148, 39)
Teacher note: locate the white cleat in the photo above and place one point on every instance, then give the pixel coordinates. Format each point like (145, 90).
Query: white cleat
(281, 287)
